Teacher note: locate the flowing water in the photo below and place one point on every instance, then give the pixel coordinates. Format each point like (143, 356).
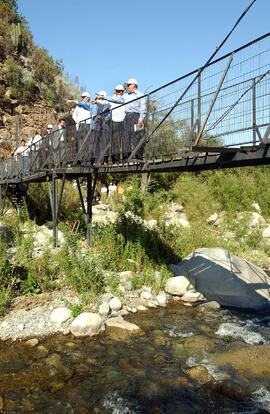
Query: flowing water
(185, 361)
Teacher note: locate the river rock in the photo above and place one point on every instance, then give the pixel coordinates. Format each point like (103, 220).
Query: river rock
(120, 323)
(60, 315)
(178, 285)
(86, 324)
(146, 295)
(252, 219)
(200, 373)
(115, 304)
(209, 306)
(162, 299)
(254, 360)
(223, 277)
(192, 297)
(31, 342)
(212, 219)
(142, 308)
(104, 309)
(266, 233)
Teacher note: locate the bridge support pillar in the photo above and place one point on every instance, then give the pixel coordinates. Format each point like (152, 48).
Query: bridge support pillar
(55, 204)
(146, 176)
(87, 210)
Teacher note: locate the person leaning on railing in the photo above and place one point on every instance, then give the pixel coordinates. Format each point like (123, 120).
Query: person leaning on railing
(33, 144)
(58, 142)
(71, 133)
(117, 124)
(22, 154)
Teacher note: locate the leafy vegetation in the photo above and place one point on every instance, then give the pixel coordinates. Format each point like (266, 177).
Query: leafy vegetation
(29, 73)
(128, 244)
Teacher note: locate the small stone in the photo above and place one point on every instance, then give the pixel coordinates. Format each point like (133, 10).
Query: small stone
(141, 308)
(162, 299)
(200, 373)
(178, 285)
(60, 315)
(192, 297)
(21, 326)
(152, 304)
(124, 276)
(104, 309)
(146, 295)
(115, 304)
(4, 324)
(133, 310)
(212, 305)
(32, 342)
(124, 312)
(212, 219)
(86, 324)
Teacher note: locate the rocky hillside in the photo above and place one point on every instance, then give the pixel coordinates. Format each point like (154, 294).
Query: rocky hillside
(33, 89)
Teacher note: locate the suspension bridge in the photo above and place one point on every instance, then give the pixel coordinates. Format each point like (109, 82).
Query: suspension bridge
(217, 116)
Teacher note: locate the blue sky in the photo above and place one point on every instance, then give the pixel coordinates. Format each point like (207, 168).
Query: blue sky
(106, 42)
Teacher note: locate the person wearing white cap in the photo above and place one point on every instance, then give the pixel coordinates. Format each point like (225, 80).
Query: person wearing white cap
(135, 114)
(83, 115)
(133, 122)
(118, 115)
(101, 129)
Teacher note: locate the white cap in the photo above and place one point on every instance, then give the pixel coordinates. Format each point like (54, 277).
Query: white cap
(132, 81)
(119, 88)
(86, 94)
(49, 126)
(101, 93)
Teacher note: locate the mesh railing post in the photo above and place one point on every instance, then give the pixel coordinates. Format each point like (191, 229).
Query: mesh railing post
(254, 110)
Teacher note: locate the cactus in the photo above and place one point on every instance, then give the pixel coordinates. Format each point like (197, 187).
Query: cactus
(16, 35)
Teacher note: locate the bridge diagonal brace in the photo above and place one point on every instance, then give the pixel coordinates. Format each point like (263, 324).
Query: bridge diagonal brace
(188, 142)
(55, 204)
(213, 100)
(80, 195)
(266, 134)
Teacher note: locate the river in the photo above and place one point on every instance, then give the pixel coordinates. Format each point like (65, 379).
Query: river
(185, 361)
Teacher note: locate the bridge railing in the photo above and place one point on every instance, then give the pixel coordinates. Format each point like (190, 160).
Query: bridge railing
(227, 106)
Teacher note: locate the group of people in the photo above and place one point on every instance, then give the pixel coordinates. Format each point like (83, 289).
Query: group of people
(93, 131)
(122, 114)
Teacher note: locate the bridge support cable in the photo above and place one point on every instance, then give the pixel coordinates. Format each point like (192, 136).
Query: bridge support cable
(146, 138)
(213, 101)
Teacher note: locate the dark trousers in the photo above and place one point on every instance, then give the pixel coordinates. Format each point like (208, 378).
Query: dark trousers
(131, 137)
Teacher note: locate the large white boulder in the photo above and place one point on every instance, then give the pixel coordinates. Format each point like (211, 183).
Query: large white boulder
(228, 279)
(86, 324)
